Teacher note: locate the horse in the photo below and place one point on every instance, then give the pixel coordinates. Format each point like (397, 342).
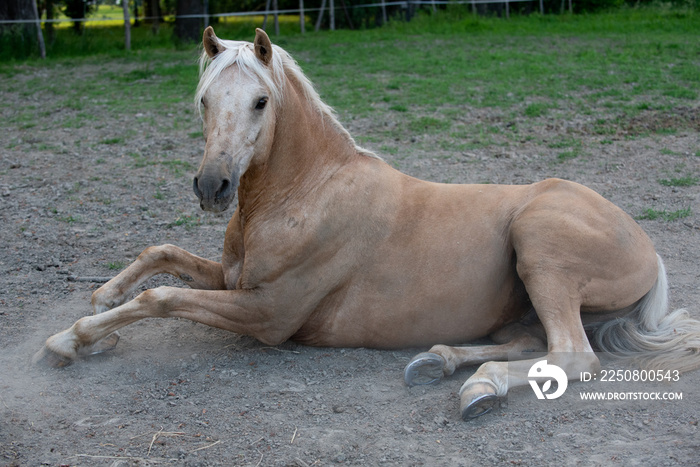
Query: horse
(331, 246)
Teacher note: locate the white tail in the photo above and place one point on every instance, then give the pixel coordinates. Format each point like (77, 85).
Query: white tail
(659, 339)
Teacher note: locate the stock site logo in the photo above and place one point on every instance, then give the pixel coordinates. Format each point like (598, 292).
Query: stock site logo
(541, 370)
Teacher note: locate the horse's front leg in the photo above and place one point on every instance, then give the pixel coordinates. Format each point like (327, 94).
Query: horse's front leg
(248, 312)
(196, 272)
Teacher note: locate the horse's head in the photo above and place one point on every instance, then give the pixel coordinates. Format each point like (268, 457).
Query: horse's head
(236, 99)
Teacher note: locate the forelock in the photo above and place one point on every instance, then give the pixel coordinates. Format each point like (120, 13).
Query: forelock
(241, 54)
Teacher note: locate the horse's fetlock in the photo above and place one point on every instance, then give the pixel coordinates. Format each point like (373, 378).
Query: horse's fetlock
(447, 355)
(493, 373)
(78, 331)
(103, 300)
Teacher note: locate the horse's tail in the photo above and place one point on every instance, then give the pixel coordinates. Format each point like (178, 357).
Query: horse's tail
(659, 339)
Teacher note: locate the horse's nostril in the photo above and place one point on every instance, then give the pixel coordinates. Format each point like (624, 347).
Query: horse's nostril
(225, 189)
(195, 187)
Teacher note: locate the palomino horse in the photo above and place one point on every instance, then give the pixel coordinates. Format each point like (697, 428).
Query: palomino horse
(330, 246)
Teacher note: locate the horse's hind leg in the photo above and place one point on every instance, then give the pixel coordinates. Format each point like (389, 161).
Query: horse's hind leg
(441, 360)
(568, 347)
(196, 272)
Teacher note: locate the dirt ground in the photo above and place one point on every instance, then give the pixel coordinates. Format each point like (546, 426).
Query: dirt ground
(83, 200)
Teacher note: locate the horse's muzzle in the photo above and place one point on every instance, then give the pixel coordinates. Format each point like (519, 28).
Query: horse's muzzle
(214, 193)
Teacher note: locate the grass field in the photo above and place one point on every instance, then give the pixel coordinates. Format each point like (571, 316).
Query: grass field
(617, 64)
(608, 59)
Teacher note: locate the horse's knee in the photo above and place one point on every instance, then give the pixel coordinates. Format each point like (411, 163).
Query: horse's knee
(155, 301)
(156, 252)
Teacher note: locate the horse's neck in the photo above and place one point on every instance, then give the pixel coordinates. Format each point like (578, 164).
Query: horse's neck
(308, 148)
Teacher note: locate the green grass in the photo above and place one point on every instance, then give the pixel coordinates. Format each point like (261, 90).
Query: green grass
(69, 219)
(116, 265)
(536, 110)
(608, 59)
(449, 58)
(178, 167)
(653, 214)
(616, 67)
(428, 125)
(681, 181)
(567, 155)
(189, 222)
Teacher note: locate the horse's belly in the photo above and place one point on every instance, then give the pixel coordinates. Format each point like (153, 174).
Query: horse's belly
(403, 311)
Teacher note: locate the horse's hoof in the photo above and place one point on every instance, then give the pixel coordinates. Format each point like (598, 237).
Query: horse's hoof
(424, 368)
(103, 345)
(48, 358)
(477, 400)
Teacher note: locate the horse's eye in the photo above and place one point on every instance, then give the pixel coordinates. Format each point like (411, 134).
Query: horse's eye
(261, 103)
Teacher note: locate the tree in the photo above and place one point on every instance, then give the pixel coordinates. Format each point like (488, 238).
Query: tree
(152, 11)
(19, 39)
(77, 10)
(16, 10)
(50, 7)
(188, 29)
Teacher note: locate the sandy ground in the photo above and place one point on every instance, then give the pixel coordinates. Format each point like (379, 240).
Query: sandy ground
(77, 203)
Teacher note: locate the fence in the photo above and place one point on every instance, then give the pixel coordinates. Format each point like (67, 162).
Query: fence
(272, 12)
(407, 5)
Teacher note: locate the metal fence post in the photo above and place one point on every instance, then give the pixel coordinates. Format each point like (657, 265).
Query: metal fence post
(320, 15)
(39, 34)
(331, 10)
(301, 16)
(127, 25)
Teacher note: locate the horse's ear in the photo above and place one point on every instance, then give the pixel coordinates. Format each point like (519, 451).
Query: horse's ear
(263, 46)
(212, 44)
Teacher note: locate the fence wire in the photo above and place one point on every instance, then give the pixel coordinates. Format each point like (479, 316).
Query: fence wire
(403, 4)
